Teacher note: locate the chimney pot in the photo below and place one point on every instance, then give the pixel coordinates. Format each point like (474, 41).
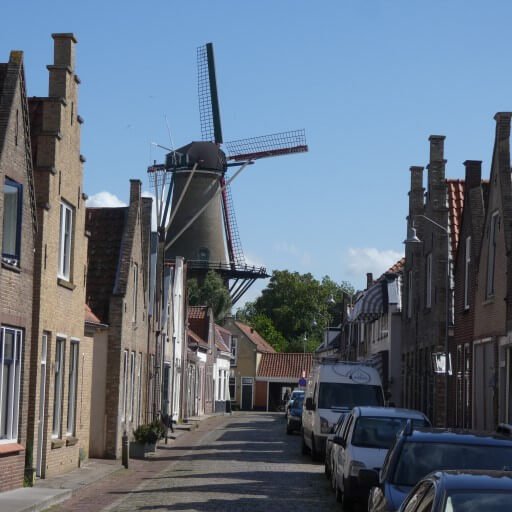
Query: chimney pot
(369, 279)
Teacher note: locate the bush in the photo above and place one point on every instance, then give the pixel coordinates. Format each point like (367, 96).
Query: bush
(149, 433)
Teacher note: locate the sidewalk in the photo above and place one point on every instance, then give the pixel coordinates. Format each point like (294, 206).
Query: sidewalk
(54, 490)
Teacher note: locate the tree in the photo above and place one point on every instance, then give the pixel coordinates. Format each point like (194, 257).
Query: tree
(212, 292)
(299, 305)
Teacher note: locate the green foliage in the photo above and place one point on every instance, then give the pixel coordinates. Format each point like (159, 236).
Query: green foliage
(149, 433)
(212, 292)
(296, 305)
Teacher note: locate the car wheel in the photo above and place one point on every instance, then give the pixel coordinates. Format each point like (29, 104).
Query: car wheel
(346, 502)
(304, 446)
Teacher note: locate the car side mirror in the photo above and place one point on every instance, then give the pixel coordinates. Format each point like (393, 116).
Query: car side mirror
(340, 441)
(368, 477)
(310, 406)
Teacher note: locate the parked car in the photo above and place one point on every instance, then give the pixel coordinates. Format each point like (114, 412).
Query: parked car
(294, 418)
(418, 452)
(364, 443)
(295, 394)
(330, 447)
(461, 491)
(333, 388)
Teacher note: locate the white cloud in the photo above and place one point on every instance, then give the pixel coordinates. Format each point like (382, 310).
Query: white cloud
(359, 261)
(104, 200)
(290, 249)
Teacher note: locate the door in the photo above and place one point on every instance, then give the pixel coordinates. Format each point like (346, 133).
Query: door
(484, 375)
(42, 397)
(247, 385)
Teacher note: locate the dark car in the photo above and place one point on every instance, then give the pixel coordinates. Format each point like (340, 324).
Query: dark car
(418, 452)
(294, 417)
(461, 491)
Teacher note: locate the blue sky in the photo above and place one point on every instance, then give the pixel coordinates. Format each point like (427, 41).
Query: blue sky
(369, 80)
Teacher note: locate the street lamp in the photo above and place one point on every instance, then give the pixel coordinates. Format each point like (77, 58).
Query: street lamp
(412, 238)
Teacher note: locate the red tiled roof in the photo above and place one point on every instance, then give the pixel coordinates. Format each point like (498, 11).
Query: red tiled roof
(198, 312)
(455, 207)
(285, 365)
(194, 338)
(254, 336)
(219, 340)
(397, 267)
(89, 316)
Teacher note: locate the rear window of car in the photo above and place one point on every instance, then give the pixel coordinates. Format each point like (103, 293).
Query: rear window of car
(380, 432)
(338, 394)
(417, 460)
(469, 501)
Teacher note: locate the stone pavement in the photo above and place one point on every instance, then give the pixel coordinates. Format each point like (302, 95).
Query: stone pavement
(244, 462)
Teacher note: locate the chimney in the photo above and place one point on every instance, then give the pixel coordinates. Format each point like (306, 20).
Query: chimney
(63, 67)
(473, 177)
(436, 175)
(135, 190)
(502, 141)
(416, 193)
(369, 279)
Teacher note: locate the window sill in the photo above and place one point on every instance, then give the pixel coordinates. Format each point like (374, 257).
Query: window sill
(58, 443)
(71, 440)
(65, 284)
(9, 266)
(8, 448)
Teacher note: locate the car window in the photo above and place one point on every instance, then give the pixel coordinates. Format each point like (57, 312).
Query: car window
(415, 497)
(347, 428)
(339, 394)
(428, 500)
(379, 432)
(485, 500)
(417, 459)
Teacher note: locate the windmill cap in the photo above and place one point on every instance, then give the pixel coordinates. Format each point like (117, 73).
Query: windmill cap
(207, 155)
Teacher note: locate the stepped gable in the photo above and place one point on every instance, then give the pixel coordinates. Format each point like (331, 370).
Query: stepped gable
(106, 228)
(285, 365)
(255, 337)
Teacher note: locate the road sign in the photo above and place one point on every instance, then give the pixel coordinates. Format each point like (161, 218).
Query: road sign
(302, 382)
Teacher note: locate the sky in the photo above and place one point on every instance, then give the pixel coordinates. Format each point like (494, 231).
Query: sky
(369, 81)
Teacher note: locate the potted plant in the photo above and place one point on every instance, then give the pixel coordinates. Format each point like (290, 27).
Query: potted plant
(145, 437)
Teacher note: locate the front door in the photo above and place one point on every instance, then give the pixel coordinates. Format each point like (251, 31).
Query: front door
(42, 398)
(247, 384)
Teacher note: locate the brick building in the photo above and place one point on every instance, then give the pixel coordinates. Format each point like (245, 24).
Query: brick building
(60, 350)
(17, 237)
(492, 345)
(465, 280)
(427, 314)
(117, 292)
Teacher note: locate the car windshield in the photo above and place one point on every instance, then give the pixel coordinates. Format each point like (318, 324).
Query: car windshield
(297, 403)
(474, 501)
(338, 394)
(380, 432)
(416, 460)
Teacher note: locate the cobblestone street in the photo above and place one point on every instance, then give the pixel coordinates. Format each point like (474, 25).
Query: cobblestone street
(243, 462)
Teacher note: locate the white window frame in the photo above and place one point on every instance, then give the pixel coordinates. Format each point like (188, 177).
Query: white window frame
(139, 387)
(65, 241)
(491, 255)
(74, 356)
(132, 385)
(125, 386)
(10, 390)
(58, 391)
(12, 223)
(234, 350)
(135, 291)
(467, 264)
(428, 287)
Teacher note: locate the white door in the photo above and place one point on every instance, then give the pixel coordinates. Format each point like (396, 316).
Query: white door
(42, 396)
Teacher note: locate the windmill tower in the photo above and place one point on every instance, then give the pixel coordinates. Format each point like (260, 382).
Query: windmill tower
(195, 207)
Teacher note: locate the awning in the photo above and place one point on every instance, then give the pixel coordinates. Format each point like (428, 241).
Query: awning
(372, 304)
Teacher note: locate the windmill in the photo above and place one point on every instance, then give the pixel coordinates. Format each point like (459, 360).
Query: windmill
(194, 203)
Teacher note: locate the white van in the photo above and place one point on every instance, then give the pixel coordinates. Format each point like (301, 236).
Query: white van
(334, 388)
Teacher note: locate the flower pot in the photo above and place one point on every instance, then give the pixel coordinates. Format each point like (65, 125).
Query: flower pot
(141, 450)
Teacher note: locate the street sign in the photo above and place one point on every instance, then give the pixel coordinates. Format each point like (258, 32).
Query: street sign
(302, 382)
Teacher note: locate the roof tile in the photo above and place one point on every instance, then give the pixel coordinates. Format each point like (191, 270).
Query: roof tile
(285, 365)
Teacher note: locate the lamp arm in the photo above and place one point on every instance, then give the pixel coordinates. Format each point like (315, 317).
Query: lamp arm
(432, 222)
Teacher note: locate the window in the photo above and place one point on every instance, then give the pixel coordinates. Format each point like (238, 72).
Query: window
(135, 291)
(66, 229)
(232, 388)
(467, 262)
(491, 256)
(132, 385)
(125, 385)
(11, 235)
(11, 344)
(73, 379)
(428, 287)
(139, 388)
(409, 294)
(58, 389)
(234, 350)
